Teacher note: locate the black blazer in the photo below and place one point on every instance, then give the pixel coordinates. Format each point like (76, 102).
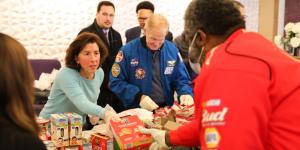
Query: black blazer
(135, 32)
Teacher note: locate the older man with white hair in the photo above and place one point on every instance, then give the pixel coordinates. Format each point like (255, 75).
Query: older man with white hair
(149, 69)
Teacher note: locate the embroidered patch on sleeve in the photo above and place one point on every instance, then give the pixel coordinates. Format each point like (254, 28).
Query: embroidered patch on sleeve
(140, 73)
(115, 70)
(119, 57)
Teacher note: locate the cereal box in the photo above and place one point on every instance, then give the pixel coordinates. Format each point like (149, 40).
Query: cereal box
(59, 130)
(43, 124)
(101, 142)
(127, 134)
(75, 128)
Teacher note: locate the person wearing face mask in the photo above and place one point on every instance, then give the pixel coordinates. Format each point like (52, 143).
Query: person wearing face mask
(148, 70)
(247, 94)
(190, 58)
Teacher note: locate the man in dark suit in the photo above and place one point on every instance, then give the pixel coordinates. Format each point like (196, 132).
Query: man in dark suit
(143, 10)
(102, 26)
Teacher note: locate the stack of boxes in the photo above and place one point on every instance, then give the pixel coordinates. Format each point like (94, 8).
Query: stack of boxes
(75, 129)
(66, 129)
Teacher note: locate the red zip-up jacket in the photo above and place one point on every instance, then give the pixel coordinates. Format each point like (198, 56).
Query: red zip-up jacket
(247, 97)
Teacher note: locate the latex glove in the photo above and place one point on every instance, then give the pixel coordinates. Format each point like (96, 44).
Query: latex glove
(93, 119)
(147, 103)
(158, 136)
(155, 146)
(110, 113)
(186, 100)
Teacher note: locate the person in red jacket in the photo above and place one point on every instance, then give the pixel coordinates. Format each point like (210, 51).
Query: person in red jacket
(247, 95)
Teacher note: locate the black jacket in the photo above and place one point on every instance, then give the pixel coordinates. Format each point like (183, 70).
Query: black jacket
(115, 43)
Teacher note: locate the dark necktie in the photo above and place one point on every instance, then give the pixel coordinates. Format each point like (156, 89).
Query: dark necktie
(106, 35)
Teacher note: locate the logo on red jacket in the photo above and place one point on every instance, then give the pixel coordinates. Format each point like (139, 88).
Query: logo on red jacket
(212, 138)
(214, 118)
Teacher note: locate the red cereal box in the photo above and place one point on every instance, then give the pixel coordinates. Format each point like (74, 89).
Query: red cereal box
(127, 134)
(101, 142)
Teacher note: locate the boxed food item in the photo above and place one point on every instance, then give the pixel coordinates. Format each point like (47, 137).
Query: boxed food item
(184, 111)
(75, 129)
(127, 134)
(43, 124)
(183, 120)
(100, 142)
(171, 125)
(163, 115)
(59, 130)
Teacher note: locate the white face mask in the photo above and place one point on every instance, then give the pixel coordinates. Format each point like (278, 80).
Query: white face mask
(195, 66)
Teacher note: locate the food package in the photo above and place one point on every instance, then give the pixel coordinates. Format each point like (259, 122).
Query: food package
(183, 120)
(163, 115)
(75, 129)
(101, 142)
(43, 124)
(127, 134)
(185, 111)
(59, 130)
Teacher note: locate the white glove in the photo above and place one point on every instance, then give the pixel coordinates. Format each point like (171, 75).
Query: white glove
(109, 114)
(156, 146)
(147, 103)
(158, 136)
(93, 119)
(186, 100)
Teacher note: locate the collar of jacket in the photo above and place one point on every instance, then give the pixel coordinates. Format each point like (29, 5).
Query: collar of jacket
(99, 28)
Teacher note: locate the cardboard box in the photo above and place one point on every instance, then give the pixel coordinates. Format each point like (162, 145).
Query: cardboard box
(43, 124)
(127, 134)
(101, 142)
(171, 125)
(75, 129)
(163, 115)
(59, 130)
(185, 111)
(183, 120)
